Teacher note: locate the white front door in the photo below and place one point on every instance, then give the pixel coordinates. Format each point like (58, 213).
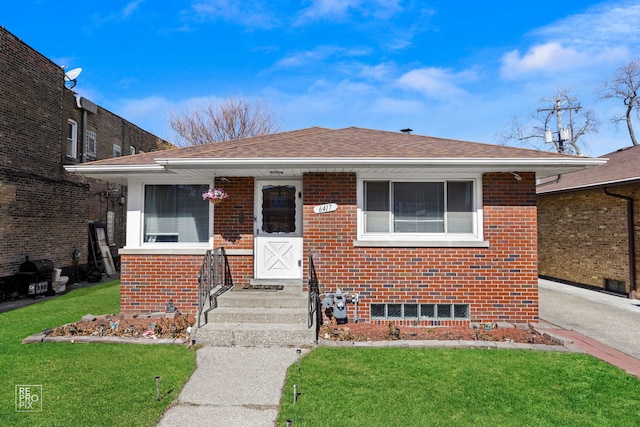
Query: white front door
(278, 230)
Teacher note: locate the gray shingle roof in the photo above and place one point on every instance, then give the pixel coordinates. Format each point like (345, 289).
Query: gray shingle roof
(623, 166)
(345, 143)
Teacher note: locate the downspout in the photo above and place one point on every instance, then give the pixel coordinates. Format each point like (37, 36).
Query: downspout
(632, 240)
(83, 143)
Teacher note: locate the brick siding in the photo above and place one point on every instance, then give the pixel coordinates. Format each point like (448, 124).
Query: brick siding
(583, 236)
(499, 282)
(148, 282)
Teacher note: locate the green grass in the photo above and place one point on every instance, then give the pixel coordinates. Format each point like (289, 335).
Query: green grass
(85, 384)
(457, 387)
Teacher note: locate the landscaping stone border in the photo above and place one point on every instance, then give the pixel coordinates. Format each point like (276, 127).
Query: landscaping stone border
(43, 337)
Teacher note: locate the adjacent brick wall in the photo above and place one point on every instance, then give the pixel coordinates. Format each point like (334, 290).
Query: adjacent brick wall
(44, 211)
(500, 282)
(41, 207)
(583, 235)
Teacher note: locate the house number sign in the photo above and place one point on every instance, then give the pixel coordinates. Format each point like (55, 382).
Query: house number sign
(329, 207)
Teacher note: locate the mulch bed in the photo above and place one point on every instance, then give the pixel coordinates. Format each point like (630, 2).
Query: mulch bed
(363, 331)
(119, 325)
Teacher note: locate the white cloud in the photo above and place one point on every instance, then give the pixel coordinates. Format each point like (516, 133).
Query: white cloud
(131, 7)
(319, 54)
(341, 9)
(380, 72)
(604, 25)
(254, 15)
(436, 83)
(545, 58)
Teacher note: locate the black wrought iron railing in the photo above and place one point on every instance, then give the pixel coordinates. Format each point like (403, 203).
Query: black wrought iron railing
(315, 315)
(214, 279)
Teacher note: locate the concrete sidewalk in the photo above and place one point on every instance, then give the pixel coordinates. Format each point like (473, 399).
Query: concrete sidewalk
(233, 386)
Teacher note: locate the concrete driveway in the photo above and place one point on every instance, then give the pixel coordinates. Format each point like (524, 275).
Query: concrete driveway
(612, 320)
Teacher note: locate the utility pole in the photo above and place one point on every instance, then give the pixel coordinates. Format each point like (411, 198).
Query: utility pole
(564, 134)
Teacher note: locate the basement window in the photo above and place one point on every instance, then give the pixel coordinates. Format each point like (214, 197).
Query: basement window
(617, 286)
(420, 311)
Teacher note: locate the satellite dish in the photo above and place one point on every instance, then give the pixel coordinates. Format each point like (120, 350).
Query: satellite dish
(71, 75)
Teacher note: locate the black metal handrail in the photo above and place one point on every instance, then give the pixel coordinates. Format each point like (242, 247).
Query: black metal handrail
(214, 279)
(314, 298)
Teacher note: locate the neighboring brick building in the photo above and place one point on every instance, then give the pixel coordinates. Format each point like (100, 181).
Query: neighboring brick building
(588, 226)
(426, 230)
(44, 211)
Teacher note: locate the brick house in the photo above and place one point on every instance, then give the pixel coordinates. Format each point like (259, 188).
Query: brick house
(426, 230)
(587, 226)
(44, 125)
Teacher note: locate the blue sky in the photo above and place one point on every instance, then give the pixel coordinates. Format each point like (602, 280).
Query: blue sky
(457, 70)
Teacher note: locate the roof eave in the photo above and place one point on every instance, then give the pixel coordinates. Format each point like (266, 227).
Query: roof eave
(570, 163)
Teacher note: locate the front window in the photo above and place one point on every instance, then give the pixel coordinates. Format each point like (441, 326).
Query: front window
(432, 208)
(175, 213)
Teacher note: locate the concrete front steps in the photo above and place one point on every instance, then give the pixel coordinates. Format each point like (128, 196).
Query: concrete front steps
(247, 318)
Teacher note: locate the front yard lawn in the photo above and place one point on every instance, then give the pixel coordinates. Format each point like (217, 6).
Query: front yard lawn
(457, 387)
(85, 384)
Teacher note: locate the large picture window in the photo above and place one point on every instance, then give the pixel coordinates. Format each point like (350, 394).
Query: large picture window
(420, 207)
(175, 213)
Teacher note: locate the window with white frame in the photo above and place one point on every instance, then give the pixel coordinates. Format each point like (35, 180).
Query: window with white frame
(175, 214)
(413, 209)
(117, 150)
(72, 139)
(132, 150)
(91, 144)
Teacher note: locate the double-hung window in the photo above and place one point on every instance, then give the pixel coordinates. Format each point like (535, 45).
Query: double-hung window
(420, 209)
(175, 214)
(72, 139)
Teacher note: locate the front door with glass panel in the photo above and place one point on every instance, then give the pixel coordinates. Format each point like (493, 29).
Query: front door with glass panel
(278, 230)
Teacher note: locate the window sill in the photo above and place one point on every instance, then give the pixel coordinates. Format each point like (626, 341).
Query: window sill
(421, 243)
(156, 250)
(163, 251)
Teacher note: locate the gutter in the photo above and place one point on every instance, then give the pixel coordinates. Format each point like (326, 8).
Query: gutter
(632, 239)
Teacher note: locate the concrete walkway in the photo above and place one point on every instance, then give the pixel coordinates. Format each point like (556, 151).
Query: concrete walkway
(233, 386)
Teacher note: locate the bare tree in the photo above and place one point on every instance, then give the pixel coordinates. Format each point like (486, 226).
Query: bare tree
(624, 85)
(537, 131)
(231, 118)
